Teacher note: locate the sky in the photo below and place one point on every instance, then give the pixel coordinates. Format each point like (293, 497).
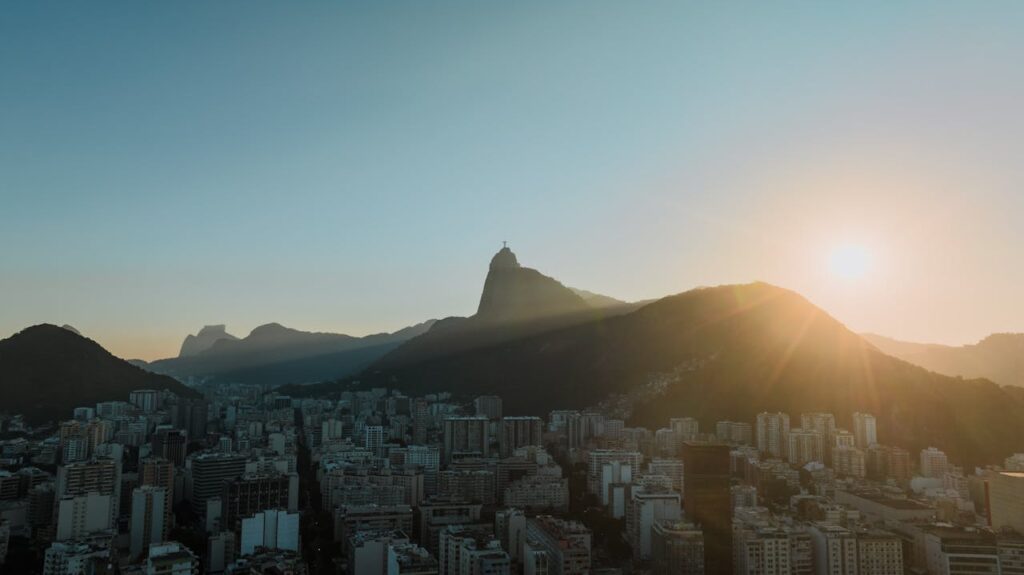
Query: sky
(352, 167)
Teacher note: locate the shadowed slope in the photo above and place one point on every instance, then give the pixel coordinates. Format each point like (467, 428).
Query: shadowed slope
(46, 371)
(737, 350)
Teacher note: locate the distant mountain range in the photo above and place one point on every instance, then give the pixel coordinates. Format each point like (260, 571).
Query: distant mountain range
(999, 357)
(716, 353)
(726, 352)
(46, 371)
(274, 354)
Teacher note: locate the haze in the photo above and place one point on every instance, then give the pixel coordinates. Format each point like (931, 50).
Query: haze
(352, 167)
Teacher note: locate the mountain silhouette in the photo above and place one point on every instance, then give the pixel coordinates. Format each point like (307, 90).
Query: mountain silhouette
(275, 354)
(729, 352)
(513, 293)
(516, 302)
(46, 371)
(204, 340)
(999, 357)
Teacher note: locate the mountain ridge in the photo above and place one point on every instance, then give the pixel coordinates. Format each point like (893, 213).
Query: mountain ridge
(764, 344)
(46, 371)
(998, 357)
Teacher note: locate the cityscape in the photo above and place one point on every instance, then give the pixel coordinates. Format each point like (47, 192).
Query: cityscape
(377, 482)
(543, 287)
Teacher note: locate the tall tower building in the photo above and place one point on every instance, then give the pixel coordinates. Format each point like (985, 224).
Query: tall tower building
(772, 433)
(159, 472)
(210, 471)
(147, 522)
(466, 435)
(420, 420)
(825, 425)
(171, 445)
(805, 445)
(519, 432)
(864, 430)
(708, 500)
(934, 463)
(685, 428)
(374, 443)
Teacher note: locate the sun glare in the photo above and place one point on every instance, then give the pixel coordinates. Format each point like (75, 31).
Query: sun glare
(849, 261)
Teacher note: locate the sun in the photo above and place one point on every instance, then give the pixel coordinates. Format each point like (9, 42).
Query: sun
(849, 261)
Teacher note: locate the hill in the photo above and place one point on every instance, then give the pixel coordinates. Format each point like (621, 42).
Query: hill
(999, 357)
(46, 371)
(727, 352)
(204, 340)
(516, 302)
(275, 354)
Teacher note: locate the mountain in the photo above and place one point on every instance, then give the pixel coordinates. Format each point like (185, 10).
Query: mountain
(516, 302)
(274, 354)
(204, 340)
(999, 357)
(46, 371)
(718, 353)
(513, 293)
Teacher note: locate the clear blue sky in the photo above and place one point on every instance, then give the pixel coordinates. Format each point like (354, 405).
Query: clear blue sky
(353, 166)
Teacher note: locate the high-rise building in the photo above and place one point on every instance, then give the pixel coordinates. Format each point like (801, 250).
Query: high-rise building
(191, 414)
(685, 428)
(519, 432)
(437, 513)
(147, 400)
(475, 485)
(466, 435)
(677, 548)
(159, 472)
(220, 551)
(672, 468)
(773, 433)
(825, 425)
(374, 435)
(170, 444)
(864, 430)
(84, 514)
(488, 406)
(270, 529)
(100, 476)
(645, 509)
(764, 546)
(428, 457)
(510, 528)
(598, 457)
(254, 492)
(934, 463)
(708, 500)
(841, 550)
(421, 420)
(147, 520)
(562, 546)
(210, 472)
(805, 446)
(849, 461)
(1006, 500)
(734, 432)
